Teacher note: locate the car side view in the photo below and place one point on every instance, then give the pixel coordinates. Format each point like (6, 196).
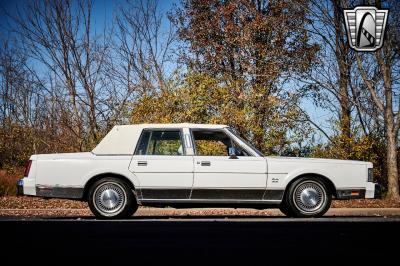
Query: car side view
(192, 165)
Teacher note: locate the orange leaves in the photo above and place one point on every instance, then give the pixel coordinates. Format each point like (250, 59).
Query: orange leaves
(244, 37)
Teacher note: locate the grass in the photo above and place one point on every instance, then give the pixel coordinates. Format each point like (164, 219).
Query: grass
(8, 181)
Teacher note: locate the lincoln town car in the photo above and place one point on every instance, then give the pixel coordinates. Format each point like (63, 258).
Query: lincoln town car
(192, 165)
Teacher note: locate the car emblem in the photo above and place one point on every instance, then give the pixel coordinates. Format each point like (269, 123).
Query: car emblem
(365, 27)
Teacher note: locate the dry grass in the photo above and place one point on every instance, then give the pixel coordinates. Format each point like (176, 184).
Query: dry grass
(13, 202)
(366, 203)
(8, 181)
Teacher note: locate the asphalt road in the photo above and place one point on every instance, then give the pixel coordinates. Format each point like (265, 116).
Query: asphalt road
(172, 241)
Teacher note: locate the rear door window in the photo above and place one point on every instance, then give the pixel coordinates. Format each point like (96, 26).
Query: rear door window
(160, 142)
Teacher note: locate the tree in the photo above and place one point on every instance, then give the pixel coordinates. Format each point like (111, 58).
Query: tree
(380, 74)
(201, 98)
(253, 47)
(142, 59)
(19, 106)
(58, 36)
(329, 83)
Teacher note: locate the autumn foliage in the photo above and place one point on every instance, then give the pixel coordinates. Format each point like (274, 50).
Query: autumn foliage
(250, 64)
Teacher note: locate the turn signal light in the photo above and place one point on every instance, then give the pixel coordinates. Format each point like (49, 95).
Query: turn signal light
(370, 175)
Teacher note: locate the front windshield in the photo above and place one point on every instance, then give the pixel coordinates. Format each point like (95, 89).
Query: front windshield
(246, 142)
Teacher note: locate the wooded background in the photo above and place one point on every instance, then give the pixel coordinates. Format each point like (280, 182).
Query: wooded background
(259, 66)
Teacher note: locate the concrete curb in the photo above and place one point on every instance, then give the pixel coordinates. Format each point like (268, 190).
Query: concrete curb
(364, 212)
(268, 212)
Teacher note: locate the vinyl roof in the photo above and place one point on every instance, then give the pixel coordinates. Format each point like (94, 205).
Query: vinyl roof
(122, 139)
(178, 125)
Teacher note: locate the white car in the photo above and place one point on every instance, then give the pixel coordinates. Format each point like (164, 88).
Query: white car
(192, 165)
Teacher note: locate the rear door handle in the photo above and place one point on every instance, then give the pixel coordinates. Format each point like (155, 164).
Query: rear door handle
(142, 163)
(205, 163)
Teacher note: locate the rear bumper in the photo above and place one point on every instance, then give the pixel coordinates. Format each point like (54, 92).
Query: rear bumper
(26, 186)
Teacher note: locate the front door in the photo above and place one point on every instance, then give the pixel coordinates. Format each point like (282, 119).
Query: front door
(161, 165)
(220, 177)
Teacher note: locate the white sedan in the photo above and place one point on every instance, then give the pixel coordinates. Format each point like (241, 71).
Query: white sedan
(192, 165)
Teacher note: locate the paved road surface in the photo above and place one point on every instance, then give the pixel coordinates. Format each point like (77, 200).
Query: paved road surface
(245, 241)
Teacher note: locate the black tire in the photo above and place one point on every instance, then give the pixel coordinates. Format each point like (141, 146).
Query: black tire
(283, 207)
(307, 197)
(111, 198)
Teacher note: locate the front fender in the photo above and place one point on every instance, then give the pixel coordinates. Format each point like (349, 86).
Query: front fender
(306, 171)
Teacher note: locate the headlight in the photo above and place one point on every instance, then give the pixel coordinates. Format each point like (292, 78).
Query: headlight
(370, 175)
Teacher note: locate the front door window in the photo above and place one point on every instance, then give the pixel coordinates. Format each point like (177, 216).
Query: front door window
(214, 143)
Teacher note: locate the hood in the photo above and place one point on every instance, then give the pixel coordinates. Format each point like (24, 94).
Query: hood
(317, 160)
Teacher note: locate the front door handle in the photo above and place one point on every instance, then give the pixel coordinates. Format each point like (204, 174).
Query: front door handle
(205, 163)
(142, 163)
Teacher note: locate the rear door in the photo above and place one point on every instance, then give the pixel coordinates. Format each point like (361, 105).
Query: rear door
(161, 165)
(220, 177)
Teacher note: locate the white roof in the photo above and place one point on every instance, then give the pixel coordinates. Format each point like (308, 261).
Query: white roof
(178, 125)
(122, 139)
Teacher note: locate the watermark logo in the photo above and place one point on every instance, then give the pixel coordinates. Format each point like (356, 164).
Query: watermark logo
(365, 27)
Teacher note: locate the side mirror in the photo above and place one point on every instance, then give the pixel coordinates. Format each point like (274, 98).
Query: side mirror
(233, 153)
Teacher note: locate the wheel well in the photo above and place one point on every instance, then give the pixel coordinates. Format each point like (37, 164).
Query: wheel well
(326, 180)
(100, 176)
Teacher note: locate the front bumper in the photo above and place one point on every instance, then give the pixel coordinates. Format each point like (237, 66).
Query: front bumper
(371, 191)
(346, 194)
(20, 187)
(378, 191)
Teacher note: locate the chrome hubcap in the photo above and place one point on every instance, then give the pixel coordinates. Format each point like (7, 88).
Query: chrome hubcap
(309, 196)
(109, 198)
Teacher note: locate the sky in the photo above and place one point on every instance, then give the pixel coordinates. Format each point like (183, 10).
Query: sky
(103, 12)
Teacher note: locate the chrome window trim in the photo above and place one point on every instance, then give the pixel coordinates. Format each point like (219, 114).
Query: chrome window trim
(161, 129)
(233, 138)
(248, 146)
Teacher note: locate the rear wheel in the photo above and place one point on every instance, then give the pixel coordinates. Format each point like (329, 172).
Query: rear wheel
(307, 197)
(110, 198)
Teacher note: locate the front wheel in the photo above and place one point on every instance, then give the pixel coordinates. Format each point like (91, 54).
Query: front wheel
(285, 209)
(111, 198)
(307, 197)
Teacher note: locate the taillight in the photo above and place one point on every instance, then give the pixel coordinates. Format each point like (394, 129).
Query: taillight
(27, 168)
